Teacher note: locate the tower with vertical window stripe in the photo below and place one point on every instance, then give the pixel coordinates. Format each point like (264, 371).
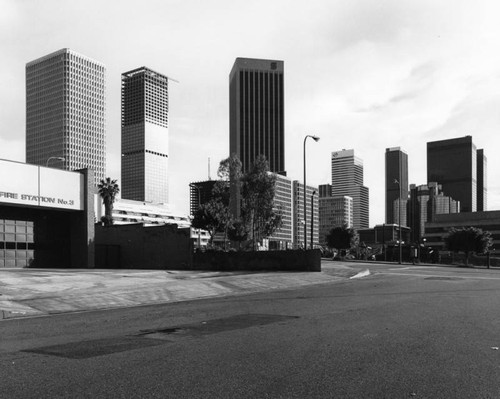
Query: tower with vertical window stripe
(256, 112)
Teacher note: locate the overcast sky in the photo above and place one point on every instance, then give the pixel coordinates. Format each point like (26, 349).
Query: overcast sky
(361, 74)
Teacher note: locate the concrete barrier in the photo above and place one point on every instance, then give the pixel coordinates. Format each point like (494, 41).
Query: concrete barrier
(292, 260)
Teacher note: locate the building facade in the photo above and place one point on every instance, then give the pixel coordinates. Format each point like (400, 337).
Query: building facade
(200, 193)
(283, 204)
(482, 190)
(437, 230)
(396, 181)
(312, 215)
(425, 202)
(334, 212)
(453, 164)
(66, 112)
(403, 203)
(256, 112)
(144, 121)
(46, 217)
(347, 180)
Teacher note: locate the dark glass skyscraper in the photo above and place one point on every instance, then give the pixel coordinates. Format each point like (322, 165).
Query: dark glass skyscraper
(482, 192)
(396, 169)
(453, 164)
(256, 112)
(145, 136)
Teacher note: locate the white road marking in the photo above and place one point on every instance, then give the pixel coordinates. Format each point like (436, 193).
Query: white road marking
(439, 275)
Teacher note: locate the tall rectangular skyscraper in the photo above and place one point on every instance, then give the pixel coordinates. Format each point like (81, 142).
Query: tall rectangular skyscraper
(347, 180)
(145, 136)
(482, 191)
(66, 112)
(396, 180)
(453, 164)
(256, 112)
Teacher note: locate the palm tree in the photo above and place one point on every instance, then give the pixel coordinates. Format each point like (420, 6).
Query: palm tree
(108, 190)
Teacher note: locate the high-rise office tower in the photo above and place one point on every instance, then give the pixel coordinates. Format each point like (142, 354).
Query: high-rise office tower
(256, 112)
(347, 180)
(66, 112)
(396, 181)
(482, 191)
(453, 164)
(144, 136)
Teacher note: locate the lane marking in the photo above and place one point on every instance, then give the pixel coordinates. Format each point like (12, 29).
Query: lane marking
(364, 273)
(440, 275)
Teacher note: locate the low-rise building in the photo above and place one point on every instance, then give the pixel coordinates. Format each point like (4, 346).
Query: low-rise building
(437, 230)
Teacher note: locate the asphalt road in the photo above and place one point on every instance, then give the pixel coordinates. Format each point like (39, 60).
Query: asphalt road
(402, 332)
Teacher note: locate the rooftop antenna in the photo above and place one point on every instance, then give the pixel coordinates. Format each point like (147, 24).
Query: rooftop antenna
(209, 178)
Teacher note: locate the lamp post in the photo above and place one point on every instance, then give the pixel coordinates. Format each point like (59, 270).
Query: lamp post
(315, 138)
(56, 158)
(399, 219)
(312, 218)
(199, 204)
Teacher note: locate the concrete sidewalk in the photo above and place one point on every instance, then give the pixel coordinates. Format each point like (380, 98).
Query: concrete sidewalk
(38, 292)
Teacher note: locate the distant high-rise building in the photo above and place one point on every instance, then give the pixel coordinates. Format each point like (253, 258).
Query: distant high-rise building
(395, 211)
(396, 181)
(482, 191)
(333, 212)
(325, 190)
(200, 193)
(66, 112)
(453, 164)
(425, 202)
(256, 112)
(347, 180)
(144, 136)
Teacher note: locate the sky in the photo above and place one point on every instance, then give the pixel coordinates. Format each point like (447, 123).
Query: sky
(360, 74)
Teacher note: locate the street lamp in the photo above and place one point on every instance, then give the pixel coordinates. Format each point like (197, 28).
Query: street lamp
(315, 138)
(199, 204)
(399, 218)
(312, 218)
(56, 158)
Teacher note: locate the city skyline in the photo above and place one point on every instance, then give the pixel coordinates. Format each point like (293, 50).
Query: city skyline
(364, 76)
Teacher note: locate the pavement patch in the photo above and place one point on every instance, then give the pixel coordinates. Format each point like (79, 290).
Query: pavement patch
(215, 326)
(94, 348)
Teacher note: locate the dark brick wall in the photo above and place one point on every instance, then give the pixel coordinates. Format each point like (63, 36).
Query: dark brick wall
(296, 260)
(134, 246)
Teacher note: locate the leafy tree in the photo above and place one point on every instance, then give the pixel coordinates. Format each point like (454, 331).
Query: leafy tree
(467, 240)
(211, 216)
(108, 190)
(238, 232)
(257, 201)
(215, 216)
(342, 238)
